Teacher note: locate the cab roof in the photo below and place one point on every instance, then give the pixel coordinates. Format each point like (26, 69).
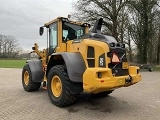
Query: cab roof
(67, 20)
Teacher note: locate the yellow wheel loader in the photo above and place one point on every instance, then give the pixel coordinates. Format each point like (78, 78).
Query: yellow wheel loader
(76, 61)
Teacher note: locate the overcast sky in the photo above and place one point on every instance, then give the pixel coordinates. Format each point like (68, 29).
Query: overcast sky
(22, 18)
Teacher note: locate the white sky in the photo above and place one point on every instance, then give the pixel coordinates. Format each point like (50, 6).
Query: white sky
(22, 18)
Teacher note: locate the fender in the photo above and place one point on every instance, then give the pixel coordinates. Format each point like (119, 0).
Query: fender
(36, 70)
(74, 63)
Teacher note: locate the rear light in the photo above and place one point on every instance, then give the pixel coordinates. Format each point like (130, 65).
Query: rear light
(138, 70)
(122, 45)
(99, 74)
(112, 44)
(102, 81)
(118, 44)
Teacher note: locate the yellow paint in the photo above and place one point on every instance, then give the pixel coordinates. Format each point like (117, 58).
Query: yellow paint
(91, 82)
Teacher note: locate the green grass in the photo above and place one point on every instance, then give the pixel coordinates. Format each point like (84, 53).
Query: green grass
(156, 68)
(5, 63)
(12, 63)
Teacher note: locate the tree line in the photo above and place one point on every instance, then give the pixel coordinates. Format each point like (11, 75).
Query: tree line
(133, 22)
(9, 47)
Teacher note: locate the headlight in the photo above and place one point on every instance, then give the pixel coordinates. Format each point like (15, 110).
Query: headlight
(99, 75)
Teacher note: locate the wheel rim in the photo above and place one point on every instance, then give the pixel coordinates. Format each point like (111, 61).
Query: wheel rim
(26, 77)
(56, 86)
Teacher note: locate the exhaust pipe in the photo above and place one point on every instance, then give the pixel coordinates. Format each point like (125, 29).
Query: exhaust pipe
(97, 26)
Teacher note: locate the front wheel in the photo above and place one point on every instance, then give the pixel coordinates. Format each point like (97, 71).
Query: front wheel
(59, 87)
(27, 82)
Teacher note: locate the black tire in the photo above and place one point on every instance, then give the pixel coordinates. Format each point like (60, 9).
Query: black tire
(30, 85)
(102, 94)
(150, 69)
(65, 97)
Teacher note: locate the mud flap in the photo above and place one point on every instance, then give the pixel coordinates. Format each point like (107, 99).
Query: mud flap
(36, 70)
(74, 63)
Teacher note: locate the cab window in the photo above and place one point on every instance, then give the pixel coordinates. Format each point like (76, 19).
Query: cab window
(72, 31)
(53, 37)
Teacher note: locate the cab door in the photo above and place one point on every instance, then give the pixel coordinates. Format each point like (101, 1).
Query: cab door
(53, 38)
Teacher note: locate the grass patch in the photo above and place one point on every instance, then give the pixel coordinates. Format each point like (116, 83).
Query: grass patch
(12, 63)
(156, 68)
(6, 63)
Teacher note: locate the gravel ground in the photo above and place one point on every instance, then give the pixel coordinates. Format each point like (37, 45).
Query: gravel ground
(138, 102)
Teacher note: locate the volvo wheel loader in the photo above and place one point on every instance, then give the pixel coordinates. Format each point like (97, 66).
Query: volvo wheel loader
(76, 61)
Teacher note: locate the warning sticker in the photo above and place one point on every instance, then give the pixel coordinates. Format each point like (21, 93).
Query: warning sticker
(115, 58)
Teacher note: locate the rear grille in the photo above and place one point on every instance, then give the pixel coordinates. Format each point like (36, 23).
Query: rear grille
(91, 62)
(90, 52)
(91, 56)
(110, 65)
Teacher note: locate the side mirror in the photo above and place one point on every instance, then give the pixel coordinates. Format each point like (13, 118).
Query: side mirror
(41, 30)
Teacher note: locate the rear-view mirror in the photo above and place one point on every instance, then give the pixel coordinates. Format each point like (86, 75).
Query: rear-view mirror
(41, 30)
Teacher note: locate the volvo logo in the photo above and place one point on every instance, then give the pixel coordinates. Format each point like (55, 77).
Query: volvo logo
(101, 62)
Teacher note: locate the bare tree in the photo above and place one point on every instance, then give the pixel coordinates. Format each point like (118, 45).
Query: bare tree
(129, 21)
(9, 47)
(116, 18)
(142, 29)
(110, 10)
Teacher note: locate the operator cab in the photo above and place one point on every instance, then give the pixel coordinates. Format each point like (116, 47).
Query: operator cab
(61, 30)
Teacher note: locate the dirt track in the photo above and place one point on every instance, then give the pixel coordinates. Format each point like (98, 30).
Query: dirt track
(138, 102)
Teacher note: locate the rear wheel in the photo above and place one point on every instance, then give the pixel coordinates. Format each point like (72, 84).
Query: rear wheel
(27, 82)
(59, 87)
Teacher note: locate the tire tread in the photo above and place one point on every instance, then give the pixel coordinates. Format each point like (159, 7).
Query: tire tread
(68, 98)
